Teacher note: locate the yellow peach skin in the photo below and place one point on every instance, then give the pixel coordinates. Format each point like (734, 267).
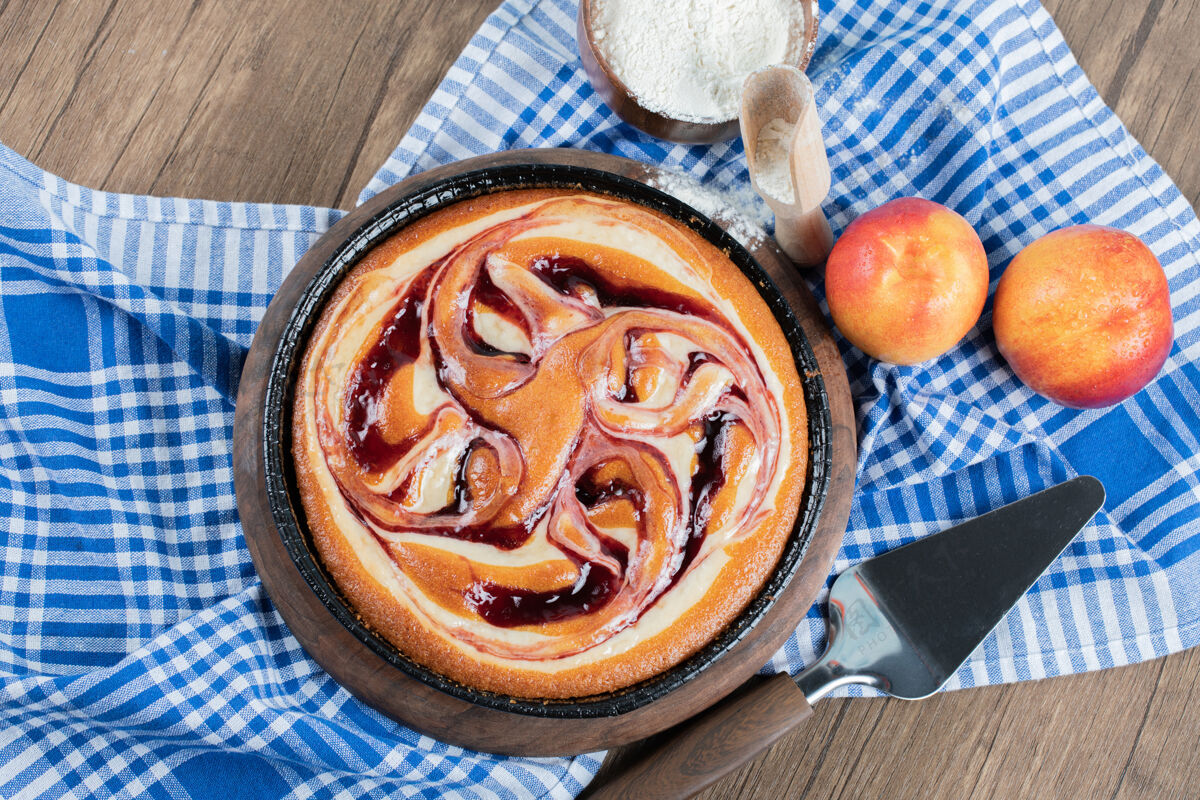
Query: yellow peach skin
(907, 280)
(1083, 316)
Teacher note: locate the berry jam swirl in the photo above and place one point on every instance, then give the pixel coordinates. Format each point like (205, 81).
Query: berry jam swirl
(546, 422)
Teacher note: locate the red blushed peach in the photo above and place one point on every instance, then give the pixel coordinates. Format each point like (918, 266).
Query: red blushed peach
(1083, 316)
(907, 280)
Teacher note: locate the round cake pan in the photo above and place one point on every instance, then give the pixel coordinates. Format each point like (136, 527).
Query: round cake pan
(267, 480)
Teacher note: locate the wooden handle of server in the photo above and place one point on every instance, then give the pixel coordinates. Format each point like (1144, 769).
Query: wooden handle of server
(700, 751)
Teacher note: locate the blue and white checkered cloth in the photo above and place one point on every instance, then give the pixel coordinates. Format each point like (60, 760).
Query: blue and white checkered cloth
(139, 655)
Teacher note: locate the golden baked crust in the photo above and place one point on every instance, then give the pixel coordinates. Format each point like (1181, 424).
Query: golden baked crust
(548, 443)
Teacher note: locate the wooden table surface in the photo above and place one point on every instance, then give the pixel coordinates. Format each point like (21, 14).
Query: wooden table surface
(300, 102)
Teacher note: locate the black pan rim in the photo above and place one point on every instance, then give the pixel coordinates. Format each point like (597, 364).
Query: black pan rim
(282, 493)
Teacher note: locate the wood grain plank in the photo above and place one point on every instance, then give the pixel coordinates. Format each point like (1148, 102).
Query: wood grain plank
(44, 74)
(439, 32)
(17, 20)
(1141, 56)
(1165, 759)
(995, 742)
(263, 101)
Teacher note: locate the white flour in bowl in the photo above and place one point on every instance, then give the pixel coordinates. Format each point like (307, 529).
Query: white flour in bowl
(687, 59)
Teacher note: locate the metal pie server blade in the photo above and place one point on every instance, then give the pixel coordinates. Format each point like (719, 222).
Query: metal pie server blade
(905, 621)
(902, 622)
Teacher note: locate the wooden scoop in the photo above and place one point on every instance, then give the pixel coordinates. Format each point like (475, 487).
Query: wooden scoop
(785, 94)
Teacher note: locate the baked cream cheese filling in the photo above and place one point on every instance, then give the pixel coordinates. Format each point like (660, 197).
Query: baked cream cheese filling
(543, 433)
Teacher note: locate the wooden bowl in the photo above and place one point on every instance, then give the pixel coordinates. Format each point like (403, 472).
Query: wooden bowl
(374, 669)
(618, 97)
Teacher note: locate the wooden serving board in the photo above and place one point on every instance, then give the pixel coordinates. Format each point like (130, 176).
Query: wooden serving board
(424, 708)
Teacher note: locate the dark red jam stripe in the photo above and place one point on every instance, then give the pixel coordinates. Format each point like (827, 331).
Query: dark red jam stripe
(506, 607)
(398, 344)
(572, 276)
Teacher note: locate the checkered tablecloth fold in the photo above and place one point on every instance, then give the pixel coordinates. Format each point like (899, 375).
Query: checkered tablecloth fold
(139, 656)
(138, 653)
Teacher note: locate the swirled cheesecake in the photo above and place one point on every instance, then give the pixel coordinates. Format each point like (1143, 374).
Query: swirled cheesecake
(548, 443)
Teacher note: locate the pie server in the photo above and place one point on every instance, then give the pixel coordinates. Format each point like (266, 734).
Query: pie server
(902, 622)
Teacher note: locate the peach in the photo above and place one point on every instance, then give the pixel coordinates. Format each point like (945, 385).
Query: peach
(906, 280)
(1083, 316)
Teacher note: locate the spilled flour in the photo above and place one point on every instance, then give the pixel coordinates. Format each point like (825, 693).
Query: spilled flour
(740, 212)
